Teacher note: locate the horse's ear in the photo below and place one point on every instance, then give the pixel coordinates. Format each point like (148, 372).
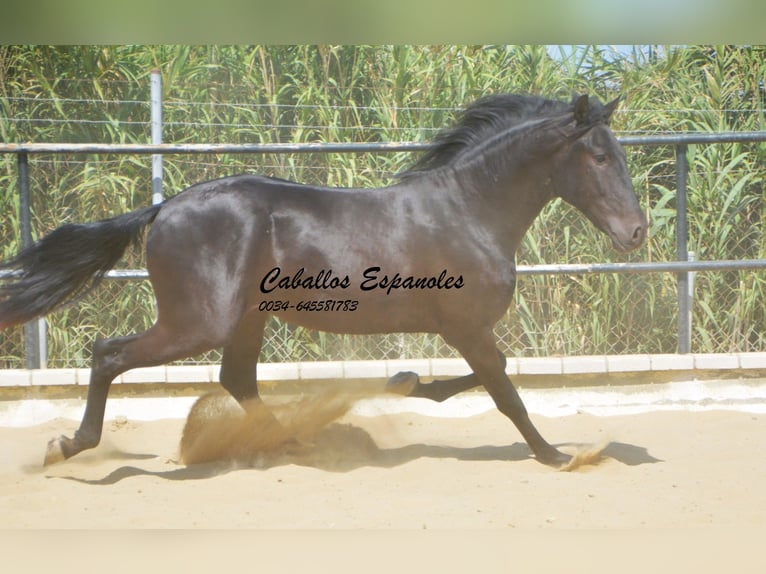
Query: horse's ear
(611, 106)
(582, 110)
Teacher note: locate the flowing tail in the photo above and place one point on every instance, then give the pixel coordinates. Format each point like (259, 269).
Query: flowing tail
(66, 265)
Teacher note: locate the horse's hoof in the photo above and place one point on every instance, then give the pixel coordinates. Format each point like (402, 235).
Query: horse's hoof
(54, 452)
(556, 459)
(402, 383)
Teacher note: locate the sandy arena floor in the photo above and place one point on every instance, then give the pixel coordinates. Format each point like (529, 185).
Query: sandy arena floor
(661, 471)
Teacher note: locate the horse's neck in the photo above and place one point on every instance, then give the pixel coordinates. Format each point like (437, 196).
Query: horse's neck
(509, 197)
(526, 199)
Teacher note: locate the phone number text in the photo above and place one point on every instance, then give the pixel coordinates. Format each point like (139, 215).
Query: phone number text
(328, 305)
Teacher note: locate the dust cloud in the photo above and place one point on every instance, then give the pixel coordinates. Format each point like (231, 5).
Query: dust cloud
(304, 431)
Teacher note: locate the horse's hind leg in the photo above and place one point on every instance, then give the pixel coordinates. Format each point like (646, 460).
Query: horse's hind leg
(408, 384)
(111, 357)
(240, 358)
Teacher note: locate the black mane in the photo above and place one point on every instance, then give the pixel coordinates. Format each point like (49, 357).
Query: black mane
(482, 119)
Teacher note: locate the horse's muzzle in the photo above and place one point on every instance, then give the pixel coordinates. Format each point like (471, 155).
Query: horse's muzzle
(626, 242)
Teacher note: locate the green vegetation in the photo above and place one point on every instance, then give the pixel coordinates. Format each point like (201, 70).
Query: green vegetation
(233, 94)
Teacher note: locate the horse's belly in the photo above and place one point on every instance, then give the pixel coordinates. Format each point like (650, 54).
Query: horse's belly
(347, 317)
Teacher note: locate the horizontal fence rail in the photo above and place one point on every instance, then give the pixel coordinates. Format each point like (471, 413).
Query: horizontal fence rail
(688, 138)
(279, 148)
(683, 266)
(554, 268)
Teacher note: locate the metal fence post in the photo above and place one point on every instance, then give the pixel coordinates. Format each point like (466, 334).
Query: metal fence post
(156, 104)
(690, 294)
(34, 331)
(682, 252)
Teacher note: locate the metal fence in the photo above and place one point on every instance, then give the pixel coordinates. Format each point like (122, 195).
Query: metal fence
(664, 290)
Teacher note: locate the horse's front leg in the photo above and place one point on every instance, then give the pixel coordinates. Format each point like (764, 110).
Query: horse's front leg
(478, 349)
(408, 384)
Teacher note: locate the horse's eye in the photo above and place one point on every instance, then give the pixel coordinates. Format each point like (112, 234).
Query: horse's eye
(600, 158)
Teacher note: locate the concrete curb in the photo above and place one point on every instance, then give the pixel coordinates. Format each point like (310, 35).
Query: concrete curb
(732, 363)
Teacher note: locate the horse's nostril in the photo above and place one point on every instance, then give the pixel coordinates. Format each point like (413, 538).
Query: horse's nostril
(638, 234)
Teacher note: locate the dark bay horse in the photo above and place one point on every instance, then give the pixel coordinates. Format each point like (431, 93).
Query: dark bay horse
(432, 253)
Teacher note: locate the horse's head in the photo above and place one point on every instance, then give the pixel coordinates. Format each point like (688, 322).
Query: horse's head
(590, 173)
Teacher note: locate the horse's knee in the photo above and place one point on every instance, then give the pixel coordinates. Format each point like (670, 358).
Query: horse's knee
(107, 359)
(513, 408)
(506, 397)
(100, 349)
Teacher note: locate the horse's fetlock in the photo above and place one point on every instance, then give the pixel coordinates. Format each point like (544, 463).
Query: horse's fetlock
(84, 440)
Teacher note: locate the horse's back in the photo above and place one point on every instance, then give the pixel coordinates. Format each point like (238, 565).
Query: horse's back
(240, 226)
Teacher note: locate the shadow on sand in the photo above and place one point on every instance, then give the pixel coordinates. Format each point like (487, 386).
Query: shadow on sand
(343, 448)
